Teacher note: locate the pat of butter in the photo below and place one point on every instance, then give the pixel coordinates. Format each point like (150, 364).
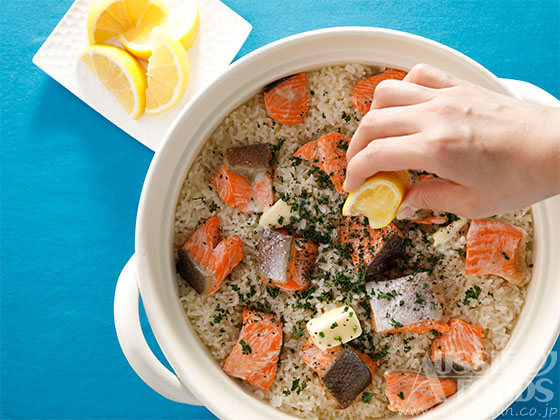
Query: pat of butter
(277, 216)
(444, 234)
(334, 327)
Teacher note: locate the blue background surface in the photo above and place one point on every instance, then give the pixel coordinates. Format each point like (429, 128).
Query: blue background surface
(70, 184)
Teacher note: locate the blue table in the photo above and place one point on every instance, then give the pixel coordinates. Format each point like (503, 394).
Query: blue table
(70, 183)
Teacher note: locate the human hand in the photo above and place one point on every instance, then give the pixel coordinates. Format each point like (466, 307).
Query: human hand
(492, 153)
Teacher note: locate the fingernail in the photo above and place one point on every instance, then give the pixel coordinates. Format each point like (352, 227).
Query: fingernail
(405, 212)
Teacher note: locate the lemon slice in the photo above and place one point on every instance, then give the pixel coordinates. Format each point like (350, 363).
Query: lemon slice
(120, 73)
(168, 73)
(182, 25)
(378, 198)
(110, 18)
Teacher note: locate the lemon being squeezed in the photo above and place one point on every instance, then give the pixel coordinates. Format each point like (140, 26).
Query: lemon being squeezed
(378, 198)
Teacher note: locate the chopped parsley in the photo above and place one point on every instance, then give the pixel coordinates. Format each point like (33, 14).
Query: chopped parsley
(505, 256)
(334, 325)
(366, 397)
(396, 324)
(382, 353)
(213, 207)
(387, 296)
(297, 330)
(279, 142)
(471, 293)
(246, 348)
(400, 395)
(272, 291)
(452, 217)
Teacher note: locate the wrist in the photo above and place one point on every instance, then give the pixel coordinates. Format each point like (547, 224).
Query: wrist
(547, 147)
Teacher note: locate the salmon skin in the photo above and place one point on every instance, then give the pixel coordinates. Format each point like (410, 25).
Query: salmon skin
(406, 304)
(460, 348)
(254, 357)
(328, 153)
(285, 261)
(346, 377)
(362, 95)
(411, 394)
(286, 100)
(319, 360)
(344, 371)
(497, 248)
(375, 249)
(204, 260)
(244, 178)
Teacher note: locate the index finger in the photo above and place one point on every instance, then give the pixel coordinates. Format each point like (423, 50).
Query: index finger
(388, 154)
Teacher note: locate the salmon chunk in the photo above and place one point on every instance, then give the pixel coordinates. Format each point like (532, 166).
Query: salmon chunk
(345, 372)
(497, 248)
(362, 95)
(317, 359)
(205, 260)
(244, 179)
(328, 153)
(461, 347)
(254, 357)
(286, 100)
(285, 261)
(412, 394)
(346, 377)
(406, 304)
(375, 249)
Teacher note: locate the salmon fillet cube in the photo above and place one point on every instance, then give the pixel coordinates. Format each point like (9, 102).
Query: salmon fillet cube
(460, 347)
(344, 374)
(346, 377)
(406, 304)
(328, 153)
(205, 260)
(254, 357)
(286, 100)
(317, 359)
(374, 249)
(498, 248)
(411, 394)
(284, 261)
(244, 178)
(363, 92)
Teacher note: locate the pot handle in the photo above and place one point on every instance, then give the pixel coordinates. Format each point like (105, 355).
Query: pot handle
(530, 92)
(134, 346)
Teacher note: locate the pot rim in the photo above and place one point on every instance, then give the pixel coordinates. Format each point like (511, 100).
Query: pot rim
(170, 164)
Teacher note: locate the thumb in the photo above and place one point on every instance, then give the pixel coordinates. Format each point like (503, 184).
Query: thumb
(433, 194)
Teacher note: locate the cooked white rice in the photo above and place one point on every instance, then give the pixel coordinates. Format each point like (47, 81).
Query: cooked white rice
(496, 309)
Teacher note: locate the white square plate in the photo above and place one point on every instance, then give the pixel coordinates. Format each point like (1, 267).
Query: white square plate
(222, 33)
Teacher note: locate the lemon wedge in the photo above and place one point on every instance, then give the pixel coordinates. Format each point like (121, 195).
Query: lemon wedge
(182, 25)
(378, 198)
(168, 73)
(120, 73)
(110, 18)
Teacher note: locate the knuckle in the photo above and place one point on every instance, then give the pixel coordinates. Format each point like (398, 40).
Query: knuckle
(368, 119)
(446, 108)
(385, 88)
(419, 70)
(439, 140)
